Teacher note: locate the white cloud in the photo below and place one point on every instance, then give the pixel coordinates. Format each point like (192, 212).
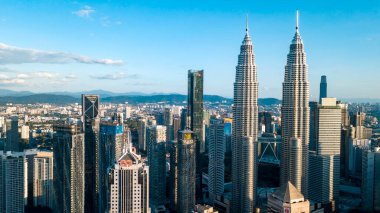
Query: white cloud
(71, 76)
(85, 12)
(17, 55)
(12, 81)
(5, 79)
(45, 74)
(22, 76)
(114, 76)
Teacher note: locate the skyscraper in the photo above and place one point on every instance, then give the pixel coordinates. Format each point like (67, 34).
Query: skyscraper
(69, 168)
(111, 144)
(43, 193)
(13, 140)
(295, 112)
(186, 172)
(195, 107)
(245, 128)
(324, 160)
(13, 182)
(265, 118)
(216, 142)
(173, 175)
(184, 119)
(129, 185)
(142, 123)
(90, 119)
(323, 88)
(156, 138)
(168, 122)
(370, 188)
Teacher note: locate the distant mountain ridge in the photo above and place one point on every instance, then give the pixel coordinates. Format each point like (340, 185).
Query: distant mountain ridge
(109, 97)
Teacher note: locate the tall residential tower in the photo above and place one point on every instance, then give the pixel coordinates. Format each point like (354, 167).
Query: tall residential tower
(90, 119)
(295, 115)
(244, 135)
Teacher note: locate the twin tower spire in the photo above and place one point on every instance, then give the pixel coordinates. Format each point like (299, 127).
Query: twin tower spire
(245, 122)
(297, 23)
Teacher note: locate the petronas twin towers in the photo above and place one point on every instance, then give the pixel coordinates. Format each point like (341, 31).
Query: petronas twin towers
(295, 124)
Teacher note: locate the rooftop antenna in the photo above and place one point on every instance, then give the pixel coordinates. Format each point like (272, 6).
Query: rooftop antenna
(297, 20)
(246, 24)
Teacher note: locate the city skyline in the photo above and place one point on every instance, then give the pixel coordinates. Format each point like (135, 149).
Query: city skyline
(109, 44)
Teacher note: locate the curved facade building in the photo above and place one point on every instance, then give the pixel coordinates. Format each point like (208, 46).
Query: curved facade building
(244, 130)
(295, 114)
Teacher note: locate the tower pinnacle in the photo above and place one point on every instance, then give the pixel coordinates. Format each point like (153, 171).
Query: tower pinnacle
(297, 21)
(246, 24)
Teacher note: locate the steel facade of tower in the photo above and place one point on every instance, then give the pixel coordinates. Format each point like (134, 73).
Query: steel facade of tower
(90, 119)
(295, 113)
(195, 106)
(12, 142)
(111, 144)
(323, 88)
(186, 172)
(216, 142)
(244, 130)
(69, 158)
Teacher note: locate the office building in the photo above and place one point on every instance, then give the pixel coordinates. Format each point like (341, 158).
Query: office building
(29, 156)
(184, 119)
(288, 199)
(265, 119)
(173, 175)
(43, 192)
(295, 112)
(90, 119)
(323, 88)
(111, 144)
(324, 160)
(12, 142)
(195, 107)
(216, 141)
(25, 132)
(13, 182)
(156, 138)
(129, 185)
(186, 172)
(245, 130)
(370, 188)
(176, 127)
(142, 124)
(168, 122)
(69, 168)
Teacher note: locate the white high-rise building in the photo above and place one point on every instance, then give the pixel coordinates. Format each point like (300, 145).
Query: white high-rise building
(370, 189)
(295, 113)
(245, 127)
(216, 144)
(324, 162)
(43, 179)
(13, 182)
(129, 185)
(25, 132)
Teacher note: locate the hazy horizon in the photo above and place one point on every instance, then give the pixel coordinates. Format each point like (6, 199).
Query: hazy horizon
(149, 46)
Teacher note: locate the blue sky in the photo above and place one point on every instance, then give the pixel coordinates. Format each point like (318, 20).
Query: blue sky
(148, 46)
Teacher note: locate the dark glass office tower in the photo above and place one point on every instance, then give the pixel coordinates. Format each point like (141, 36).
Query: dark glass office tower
(186, 173)
(90, 119)
(195, 106)
(195, 119)
(12, 142)
(323, 88)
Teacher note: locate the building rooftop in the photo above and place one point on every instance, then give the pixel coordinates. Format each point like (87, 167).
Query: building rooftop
(288, 194)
